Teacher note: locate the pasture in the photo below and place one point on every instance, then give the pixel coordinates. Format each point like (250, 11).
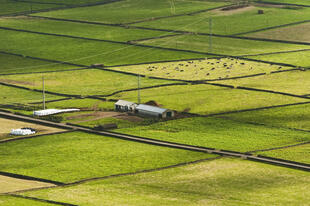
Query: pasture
(224, 181)
(207, 99)
(294, 82)
(136, 10)
(13, 201)
(74, 156)
(203, 69)
(298, 153)
(220, 133)
(7, 125)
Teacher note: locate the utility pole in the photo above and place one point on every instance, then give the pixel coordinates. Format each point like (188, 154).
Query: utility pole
(210, 34)
(43, 89)
(139, 97)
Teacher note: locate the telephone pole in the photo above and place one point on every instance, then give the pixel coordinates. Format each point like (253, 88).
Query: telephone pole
(43, 89)
(210, 34)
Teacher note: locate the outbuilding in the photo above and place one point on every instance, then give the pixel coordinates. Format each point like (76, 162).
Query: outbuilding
(152, 111)
(125, 106)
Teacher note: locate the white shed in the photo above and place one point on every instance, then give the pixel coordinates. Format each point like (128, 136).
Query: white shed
(125, 106)
(147, 110)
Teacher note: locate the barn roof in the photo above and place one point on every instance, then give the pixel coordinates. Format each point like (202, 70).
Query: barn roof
(124, 103)
(151, 108)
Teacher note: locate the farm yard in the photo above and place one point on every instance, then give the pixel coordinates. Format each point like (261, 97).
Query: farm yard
(214, 110)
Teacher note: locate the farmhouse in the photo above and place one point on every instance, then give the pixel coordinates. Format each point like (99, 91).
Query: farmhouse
(147, 110)
(125, 106)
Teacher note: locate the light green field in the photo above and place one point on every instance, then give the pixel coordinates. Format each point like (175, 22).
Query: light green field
(74, 156)
(233, 21)
(73, 2)
(78, 29)
(135, 10)
(15, 201)
(206, 69)
(291, 117)
(220, 134)
(297, 154)
(207, 99)
(17, 64)
(83, 82)
(84, 52)
(301, 2)
(218, 182)
(10, 95)
(298, 32)
(88, 104)
(11, 7)
(222, 45)
(294, 82)
(295, 58)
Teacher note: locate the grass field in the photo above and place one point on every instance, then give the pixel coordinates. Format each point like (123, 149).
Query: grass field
(17, 64)
(295, 58)
(292, 33)
(87, 104)
(11, 7)
(220, 134)
(218, 182)
(85, 52)
(8, 184)
(14, 201)
(292, 117)
(10, 95)
(205, 69)
(83, 82)
(298, 153)
(7, 125)
(233, 21)
(222, 45)
(300, 2)
(74, 156)
(295, 82)
(207, 99)
(135, 10)
(78, 29)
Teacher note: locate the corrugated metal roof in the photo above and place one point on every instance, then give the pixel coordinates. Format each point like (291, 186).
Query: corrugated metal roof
(151, 108)
(124, 103)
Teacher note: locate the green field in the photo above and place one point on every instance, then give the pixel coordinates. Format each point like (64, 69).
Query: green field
(220, 134)
(297, 154)
(10, 95)
(300, 2)
(291, 117)
(74, 156)
(83, 82)
(15, 201)
(135, 10)
(17, 64)
(233, 21)
(222, 45)
(204, 69)
(11, 7)
(81, 51)
(291, 33)
(295, 58)
(207, 99)
(218, 182)
(294, 82)
(78, 29)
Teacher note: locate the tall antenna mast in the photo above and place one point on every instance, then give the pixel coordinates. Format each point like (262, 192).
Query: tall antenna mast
(139, 97)
(210, 34)
(43, 89)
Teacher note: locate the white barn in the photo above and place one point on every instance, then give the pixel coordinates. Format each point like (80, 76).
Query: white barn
(152, 111)
(125, 106)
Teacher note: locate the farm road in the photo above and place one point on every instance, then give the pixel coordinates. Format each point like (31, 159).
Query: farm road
(268, 160)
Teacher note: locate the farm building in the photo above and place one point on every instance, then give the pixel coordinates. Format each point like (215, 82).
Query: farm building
(147, 110)
(125, 106)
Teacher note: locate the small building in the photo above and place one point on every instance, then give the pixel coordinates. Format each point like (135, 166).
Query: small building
(47, 112)
(125, 106)
(152, 111)
(23, 131)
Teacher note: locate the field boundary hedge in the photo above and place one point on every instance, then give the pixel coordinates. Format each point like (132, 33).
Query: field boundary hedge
(42, 200)
(283, 147)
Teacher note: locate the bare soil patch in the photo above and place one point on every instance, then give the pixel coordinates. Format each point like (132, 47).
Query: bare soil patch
(9, 81)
